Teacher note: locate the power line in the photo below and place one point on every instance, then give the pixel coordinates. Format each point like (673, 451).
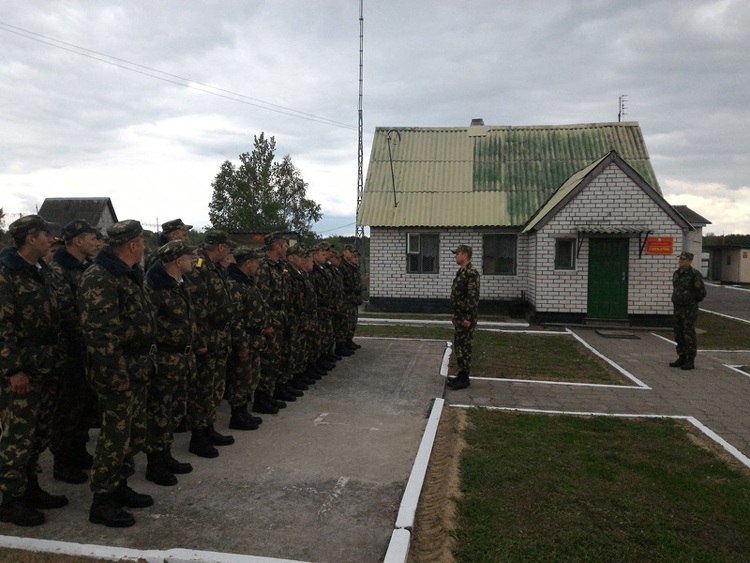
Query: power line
(168, 77)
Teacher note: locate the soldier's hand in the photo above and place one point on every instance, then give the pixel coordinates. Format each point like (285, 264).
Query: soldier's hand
(19, 383)
(121, 386)
(268, 330)
(466, 324)
(201, 351)
(244, 355)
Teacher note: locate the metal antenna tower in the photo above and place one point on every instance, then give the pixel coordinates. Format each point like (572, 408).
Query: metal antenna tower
(360, 232)
(622, 107)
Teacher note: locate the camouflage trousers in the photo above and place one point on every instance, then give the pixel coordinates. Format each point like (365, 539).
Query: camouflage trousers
(685, 317)
(462, 338)
(206, 390)
(297, 347)
(325, 339)
(72, 418)
(167, 398)
(25, 421)
(273, 360)
(122, 435)
(352, 316)
(340, 325)
(242, 379)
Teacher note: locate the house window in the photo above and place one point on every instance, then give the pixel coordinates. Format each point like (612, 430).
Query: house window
(499, 254)
(422, 253)
(565, 258)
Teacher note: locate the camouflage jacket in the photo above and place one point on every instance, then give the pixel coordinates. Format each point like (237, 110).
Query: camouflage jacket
(465, 294)
(352, 279)
(270, 282)
(322, 281)
(176, 328)
(214, 305)
(337, 286)
(118, 322)
(301, 299)
(687, 287)
(30, 318)
(68, 272)
(255, 310)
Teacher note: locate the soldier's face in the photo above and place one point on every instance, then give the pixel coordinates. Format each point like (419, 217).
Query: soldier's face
(178, 234)
(87, 244)
(185, 263)
(138, 247)
(40, 243)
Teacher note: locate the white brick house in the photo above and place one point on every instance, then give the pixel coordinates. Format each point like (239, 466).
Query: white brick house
(574, 238)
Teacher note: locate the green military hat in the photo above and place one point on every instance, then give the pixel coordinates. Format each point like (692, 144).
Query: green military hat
(78, 227)
(463, 248)
(244, 253)
(297, 250)
(214, 236)
(124, 231)
(686, 256)
(271, 238)
(322, 247)
(173, 250)
(27, 224)
(174, 225)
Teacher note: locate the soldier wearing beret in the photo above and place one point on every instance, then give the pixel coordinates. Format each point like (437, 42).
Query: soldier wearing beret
(31, 359)
(214, 310)
(352, 292)
(687, 291)
(272, 393)
(77, 401)
(119, 329)
(465, 304)
(176, 339)
(243, 374)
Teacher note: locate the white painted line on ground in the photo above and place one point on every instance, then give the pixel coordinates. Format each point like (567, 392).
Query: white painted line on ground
(408, 508)
(726, 316)
(664, 338)
(398, 547)
(570, 383)
(737, 369)
(734, 452)
(433, 322)
(723, 286)
(446, 359)
(614, 364)
(530, 331)
(125, 554)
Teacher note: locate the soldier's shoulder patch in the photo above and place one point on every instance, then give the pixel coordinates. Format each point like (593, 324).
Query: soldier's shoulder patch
(199, 263)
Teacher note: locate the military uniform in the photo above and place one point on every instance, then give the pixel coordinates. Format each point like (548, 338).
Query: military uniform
(465, 304)
(176, 340)
(687, 291)
(30, 343)
(352, 279)
(119, 329)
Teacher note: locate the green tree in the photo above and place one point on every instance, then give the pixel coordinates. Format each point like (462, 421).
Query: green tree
(260, 194)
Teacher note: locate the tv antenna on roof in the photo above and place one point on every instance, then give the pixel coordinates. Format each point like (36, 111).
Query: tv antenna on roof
(622, 107)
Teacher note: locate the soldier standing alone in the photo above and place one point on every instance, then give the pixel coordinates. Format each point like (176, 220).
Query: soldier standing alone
(688, 290)
(465, 304)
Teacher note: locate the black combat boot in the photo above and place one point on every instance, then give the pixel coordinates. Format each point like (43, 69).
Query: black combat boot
(689, 363)
(292, 390)
(353, 344)
(19, 511)
(63, 470)
(217, 439)
(200, 446)
(280, 394)
(157, 472)
(297, 383)
(181, 426)
(125, 496)
(262, 403)
(312, 373)
(679, 362)
(106, 510)
(461, 381)
(39, 498)
(241, 419)
(174, 466)
(342, 349)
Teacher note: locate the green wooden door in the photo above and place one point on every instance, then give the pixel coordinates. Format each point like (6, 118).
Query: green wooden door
(608, 278)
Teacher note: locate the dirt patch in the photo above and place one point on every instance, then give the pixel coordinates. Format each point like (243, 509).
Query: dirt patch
(700, 439)
(432, 539)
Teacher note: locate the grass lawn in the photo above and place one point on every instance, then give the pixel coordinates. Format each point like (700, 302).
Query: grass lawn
(516, 355)
(720, 333)
(551, 488)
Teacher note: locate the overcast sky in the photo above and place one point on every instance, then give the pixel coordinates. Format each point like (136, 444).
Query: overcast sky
(74, 126)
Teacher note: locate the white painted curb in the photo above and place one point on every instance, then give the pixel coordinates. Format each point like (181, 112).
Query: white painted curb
(398, 548)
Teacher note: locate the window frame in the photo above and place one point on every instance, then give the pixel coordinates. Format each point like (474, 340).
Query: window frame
(488, 248)
(418, 253)
(572, 264)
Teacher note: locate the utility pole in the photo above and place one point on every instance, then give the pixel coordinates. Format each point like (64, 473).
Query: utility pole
(360, 231)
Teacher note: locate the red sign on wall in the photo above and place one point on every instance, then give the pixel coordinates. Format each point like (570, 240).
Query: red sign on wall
(659, 245)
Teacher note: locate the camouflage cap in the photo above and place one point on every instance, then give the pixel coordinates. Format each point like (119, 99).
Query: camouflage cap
(174, 225)
(462, 248)
(686, 256)
(173, 250)
(124, 231)
(350, 248)
(297, 250)
(78, 227)
(322, 247)
(214, 236)
(27, 224)
(245, 253)
(271, 238)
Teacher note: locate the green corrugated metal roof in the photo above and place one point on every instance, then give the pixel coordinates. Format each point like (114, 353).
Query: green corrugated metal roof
(445, 177)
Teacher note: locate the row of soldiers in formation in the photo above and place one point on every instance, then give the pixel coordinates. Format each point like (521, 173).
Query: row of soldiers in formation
(88, 331)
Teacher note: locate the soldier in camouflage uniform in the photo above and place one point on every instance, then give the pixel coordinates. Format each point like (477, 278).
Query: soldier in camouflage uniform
(688, 290)
(214, 309)
(176, 341)
(175, 229)
(340, 319)
(31, 360)
(352, 292)
(119, 329)
(243, 374)
(300, 309)
(322, 279)
(465, 305)
(77, 401)
(272, 392)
